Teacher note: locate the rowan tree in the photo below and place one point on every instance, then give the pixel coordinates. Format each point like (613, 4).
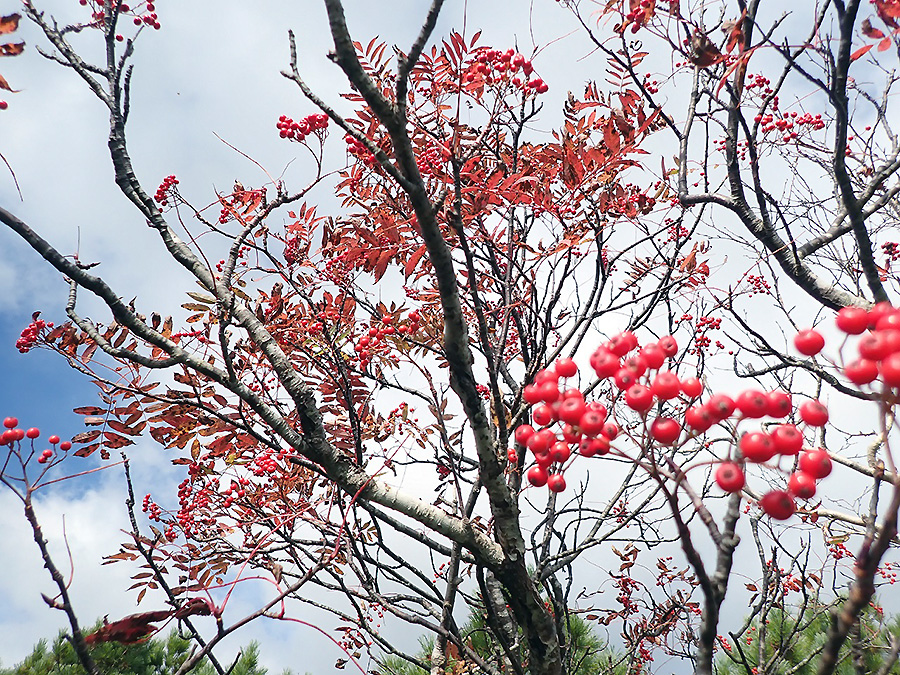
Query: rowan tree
(504, 351)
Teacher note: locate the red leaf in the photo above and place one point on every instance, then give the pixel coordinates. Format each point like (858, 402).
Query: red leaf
(86, 436)
(89, 410)
(115, 441)
(885, 44)
(87, 450)
(862, 51)
(194, 606)
(413, 260)
(129, 630)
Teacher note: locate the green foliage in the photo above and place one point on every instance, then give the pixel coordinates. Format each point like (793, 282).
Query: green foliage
(588, 654)
(791, 641)
(158, 656)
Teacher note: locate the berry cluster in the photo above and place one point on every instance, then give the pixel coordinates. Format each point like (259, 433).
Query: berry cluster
(298, 131)
(12, 434)
(639, 374)
(268, 462)
(432, 159)
(373, 340)
(144, 14)
(785, 124)
(165, 190)
(151, 508)
(492, 65)
(360, 151)
(31, 334)
(637, 17)
(878, 347)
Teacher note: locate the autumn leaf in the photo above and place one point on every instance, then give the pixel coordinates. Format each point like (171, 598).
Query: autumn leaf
(5, 85)
(703, 52)
(130, 630)
(862, 51)
(12, 48)
(869, 31)
(9, 23)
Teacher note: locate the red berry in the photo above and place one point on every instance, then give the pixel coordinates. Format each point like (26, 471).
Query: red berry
(816, 463)
(572, 409)
(720, 407)
(560, 452)
(3, 105)
(542, 415)
(588, 447)
(653, 355)
(543, 459)
(53, 439)
(592, 422)
(33, 433)
(809, 342)
(605, 363)
(874, 346)
(890, 369)
(566, 367)
(7, 437)
(523, 433)
(665, 430)
(571, 434)
(692, 387)
(10, 422)
(556, 483)
(546, 375)
(852, 320)
(610, 430)
(888, 321)
(878, 311)
(668, 345)
(512, 456)
(19, 434)
(778, 504)
(639, 398)
(532, 394)
(813, 413)
(752, 403)
(802, 485)
(861, 371)
(698, 418)
(666, 385)
(537, 476)
(549, 391)
(622, 343)
(624, 379)
(541, 441)
(730, 477)
(787, 439)
(757, 446)
(635, 364)
(778, 404)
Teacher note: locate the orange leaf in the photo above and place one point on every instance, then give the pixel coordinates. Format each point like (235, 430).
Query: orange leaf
(9, 23)
(5, 85)
(12, 48)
